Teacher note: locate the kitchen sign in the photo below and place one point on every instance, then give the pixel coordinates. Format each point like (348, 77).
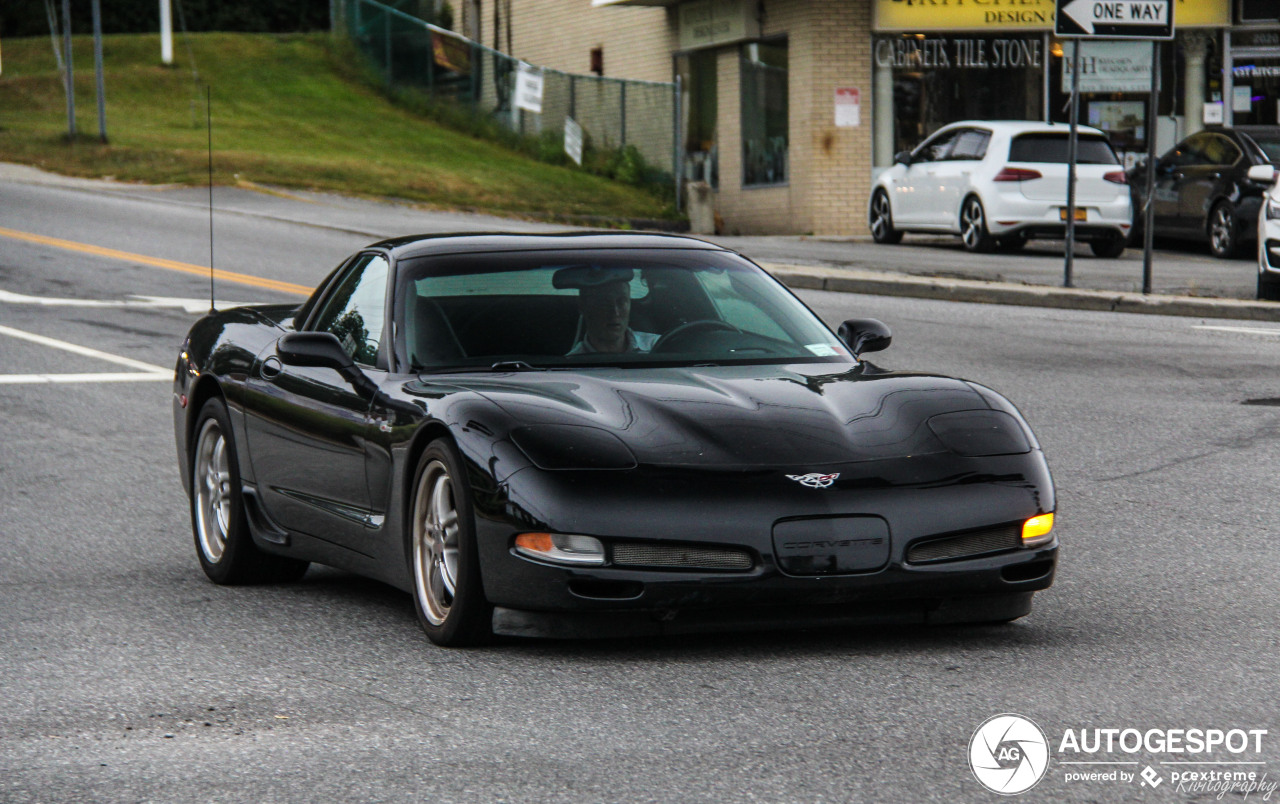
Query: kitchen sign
(1111, 67)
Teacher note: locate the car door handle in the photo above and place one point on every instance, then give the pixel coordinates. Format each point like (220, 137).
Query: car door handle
(271, 368)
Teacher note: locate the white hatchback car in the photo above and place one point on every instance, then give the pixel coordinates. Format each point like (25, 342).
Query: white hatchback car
(1268, 233)
(1000, 184)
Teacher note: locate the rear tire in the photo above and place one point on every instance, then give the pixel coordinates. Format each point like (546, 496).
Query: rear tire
(223, 543)
(880, 219)
(973, 227)
(1224, 237)
(444, 561)
(1109, 249)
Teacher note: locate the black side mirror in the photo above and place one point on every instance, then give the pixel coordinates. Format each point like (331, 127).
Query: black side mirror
(313, 349)
(902, 157)
(865, 335)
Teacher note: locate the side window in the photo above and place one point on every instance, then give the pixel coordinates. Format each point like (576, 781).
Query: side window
(1218, 150)
(1191, 151)
(970, 144)
(935, 148)
(356, 311)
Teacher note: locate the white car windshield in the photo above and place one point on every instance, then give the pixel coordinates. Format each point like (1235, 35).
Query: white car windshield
(618, 307)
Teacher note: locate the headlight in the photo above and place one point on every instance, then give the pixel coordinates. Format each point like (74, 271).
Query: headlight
(1273, 208)
(561, 548)
(1037, 530)
(977, 433)
(569, 446)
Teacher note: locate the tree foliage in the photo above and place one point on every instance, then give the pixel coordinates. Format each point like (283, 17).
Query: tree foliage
(29, 17)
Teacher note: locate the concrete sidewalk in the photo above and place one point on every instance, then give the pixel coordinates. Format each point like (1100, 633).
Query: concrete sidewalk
(886, 283)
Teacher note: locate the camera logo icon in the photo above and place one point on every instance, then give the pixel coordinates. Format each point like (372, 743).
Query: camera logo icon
(1008, 754)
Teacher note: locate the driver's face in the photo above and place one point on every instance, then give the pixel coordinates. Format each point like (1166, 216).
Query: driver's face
(606, 311)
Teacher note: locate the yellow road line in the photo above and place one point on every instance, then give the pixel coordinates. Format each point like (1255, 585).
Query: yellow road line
(156, 262)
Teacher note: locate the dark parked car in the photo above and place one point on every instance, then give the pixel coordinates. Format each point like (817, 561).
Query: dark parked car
(1202, 190)
(601, 434)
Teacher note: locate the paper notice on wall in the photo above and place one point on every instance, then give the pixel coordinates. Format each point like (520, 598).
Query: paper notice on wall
(1213, 114)
(573, 140)
(848, 107)
(529, 88)
(1241, 98)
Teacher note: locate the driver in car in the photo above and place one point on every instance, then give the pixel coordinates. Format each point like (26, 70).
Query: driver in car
(604, 302)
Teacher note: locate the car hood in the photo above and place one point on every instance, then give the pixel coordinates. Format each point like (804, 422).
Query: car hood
(741, 417)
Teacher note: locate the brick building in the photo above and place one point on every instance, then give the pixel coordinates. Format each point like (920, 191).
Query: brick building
(790, 107)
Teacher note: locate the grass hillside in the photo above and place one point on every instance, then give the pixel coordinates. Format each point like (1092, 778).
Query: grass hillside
(288, 110)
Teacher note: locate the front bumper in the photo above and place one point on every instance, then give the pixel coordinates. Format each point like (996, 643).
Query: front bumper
(743, 513)
(989, 589)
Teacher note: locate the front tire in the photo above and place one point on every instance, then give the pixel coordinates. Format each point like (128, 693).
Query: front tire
(973, 227)
(447, 590)
(1224, 239)
(223, 543)
(881, 220)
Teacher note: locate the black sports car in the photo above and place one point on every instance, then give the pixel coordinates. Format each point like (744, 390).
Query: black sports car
(601, 434)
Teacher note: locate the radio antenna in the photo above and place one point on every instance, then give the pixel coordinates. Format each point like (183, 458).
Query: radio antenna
(208, 110)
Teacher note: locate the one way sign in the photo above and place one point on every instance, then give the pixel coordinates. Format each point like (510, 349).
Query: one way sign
(1115, 19)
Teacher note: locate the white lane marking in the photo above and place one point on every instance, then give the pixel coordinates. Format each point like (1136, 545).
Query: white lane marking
(148, 371)
(188, 305)
(44, 379)
(1246, 330)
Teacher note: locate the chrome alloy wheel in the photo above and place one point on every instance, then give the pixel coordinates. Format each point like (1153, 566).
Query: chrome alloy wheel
(880, 217)
(211, 485)
(973, 224)
(436, 542)
(1221, 230)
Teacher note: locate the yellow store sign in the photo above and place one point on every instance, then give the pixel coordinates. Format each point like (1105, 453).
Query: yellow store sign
(996, 16)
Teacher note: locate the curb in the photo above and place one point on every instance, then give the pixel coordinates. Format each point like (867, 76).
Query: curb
(972, 290)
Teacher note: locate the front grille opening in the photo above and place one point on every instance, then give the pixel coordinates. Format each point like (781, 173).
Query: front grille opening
(676, 556)
(1027, 572)
(605, 590)
(967, 545)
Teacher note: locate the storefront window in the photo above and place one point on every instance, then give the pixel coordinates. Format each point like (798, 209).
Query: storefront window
(764, 113)
(1255, 73)
(942, 79)
(701, 109)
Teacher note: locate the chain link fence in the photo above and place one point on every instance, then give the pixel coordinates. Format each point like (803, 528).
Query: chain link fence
(613, 113)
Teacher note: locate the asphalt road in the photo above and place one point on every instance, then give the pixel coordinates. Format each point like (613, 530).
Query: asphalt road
(128, 677)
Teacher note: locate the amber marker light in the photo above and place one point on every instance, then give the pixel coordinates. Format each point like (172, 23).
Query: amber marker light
(1037, 530)
(561, 548)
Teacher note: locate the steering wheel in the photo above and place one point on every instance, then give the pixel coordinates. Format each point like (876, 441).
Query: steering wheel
(690, 328)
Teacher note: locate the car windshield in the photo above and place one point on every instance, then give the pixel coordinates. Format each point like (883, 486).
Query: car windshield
(1091, 149)
(614, 307)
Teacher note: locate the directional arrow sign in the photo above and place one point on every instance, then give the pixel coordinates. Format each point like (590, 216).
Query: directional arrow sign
(1115, 19)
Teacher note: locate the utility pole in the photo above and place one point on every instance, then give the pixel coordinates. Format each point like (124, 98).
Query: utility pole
(166, 32)
(97, 69)
(70, 76)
